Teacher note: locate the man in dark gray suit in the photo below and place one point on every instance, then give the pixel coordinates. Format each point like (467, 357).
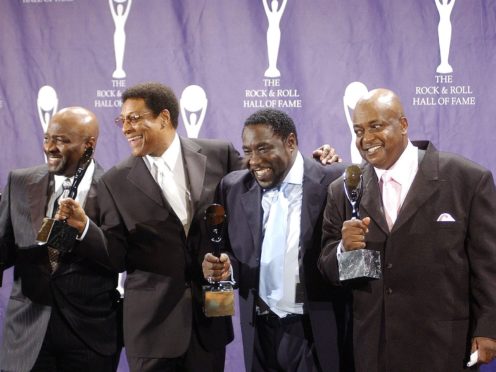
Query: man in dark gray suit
(435, 303)
(61, 315)
(290, 318)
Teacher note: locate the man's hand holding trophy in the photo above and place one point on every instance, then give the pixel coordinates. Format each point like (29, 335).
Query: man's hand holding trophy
(355, 261)
(219, 295)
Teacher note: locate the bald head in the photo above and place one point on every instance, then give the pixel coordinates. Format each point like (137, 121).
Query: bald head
(81, 119)
(381, 127)
(71, 131)
(381, 99)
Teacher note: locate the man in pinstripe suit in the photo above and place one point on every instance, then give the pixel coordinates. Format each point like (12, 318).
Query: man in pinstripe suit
(61, 314)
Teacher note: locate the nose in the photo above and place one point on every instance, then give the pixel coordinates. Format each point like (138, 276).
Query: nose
(253, 159)
(367, 136)
(126, 127)
(49, 146)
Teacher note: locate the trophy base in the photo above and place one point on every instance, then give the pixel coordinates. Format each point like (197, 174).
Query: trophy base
(218, 300)
(360, 263)
(57, 234)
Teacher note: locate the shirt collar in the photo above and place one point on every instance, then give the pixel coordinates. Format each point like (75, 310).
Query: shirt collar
(404, 166)
(295, 174)
(170, 155)
(59, 180)
(84, 185)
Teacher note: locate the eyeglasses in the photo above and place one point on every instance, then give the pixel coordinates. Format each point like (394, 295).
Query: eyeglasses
(134, 119)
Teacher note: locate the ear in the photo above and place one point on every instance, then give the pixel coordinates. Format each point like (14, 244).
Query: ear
(165, 118)
(404, 125)
(91, 142)
(291, 141)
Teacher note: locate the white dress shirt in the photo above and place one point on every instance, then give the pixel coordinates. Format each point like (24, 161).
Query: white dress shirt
(173, 159)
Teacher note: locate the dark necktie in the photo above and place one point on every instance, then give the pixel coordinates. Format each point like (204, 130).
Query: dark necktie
(53, 254)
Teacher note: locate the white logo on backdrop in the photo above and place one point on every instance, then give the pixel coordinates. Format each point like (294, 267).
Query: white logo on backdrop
(47, 104)
(193, 104)
(120, 11)
(444, 7)
(352, 94)
(274, 15)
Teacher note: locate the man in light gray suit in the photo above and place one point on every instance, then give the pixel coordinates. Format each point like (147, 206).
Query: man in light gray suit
(61, 315)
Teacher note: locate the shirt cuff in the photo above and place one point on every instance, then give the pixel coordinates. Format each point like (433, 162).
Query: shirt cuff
(340, 248)
(86, 227)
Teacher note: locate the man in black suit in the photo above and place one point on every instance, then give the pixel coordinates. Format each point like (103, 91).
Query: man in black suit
(291, 319)
(61, 315)
(435, 303)
(152, 207)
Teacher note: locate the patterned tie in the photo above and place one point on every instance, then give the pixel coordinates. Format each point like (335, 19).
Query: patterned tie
(53, 254)
(273, 250)
(391, 198)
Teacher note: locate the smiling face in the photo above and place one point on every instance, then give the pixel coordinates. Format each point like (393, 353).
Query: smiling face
(149, 135)
(70, 132)
(380, 128)
(268, 157)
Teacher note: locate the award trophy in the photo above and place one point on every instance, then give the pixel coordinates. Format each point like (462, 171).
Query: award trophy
(218, 297)
(58, 234)
(359, 263)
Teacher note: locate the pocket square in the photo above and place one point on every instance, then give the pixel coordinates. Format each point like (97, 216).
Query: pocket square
(445, 217)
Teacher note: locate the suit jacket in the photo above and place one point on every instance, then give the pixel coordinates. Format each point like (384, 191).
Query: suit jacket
(82, 290)
(142, 234)
(241, 196)
(438, 285)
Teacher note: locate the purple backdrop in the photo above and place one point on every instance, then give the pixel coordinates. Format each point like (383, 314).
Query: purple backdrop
(225, 59)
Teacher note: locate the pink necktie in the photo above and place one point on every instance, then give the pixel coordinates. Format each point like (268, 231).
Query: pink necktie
(391, 198)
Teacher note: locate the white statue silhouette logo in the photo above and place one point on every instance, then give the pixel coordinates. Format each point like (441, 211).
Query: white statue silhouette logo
(193, 104)
(274, 15)
(120, 11)
(444, 7)
(352, 94)
(47, 104)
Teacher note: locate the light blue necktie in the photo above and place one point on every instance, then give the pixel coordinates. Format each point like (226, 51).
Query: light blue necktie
(274, 249)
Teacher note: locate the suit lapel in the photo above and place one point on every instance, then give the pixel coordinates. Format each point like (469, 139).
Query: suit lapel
(424, 185)
(371, 204)
(140, 176)
(314, 195)
(37, 193)
(252, 205)
(195, 165)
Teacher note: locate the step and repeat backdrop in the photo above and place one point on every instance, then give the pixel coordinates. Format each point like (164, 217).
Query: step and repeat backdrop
(227, 58)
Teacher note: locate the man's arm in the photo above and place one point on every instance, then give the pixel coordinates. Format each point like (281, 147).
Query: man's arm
(481, 249)
(104, 244)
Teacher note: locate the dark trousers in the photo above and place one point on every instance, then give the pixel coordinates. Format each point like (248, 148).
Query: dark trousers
(63, 351)
(284, 344)
(195, 359)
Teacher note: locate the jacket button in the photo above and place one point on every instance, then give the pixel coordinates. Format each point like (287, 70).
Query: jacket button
(389, 265)
(389, 291)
